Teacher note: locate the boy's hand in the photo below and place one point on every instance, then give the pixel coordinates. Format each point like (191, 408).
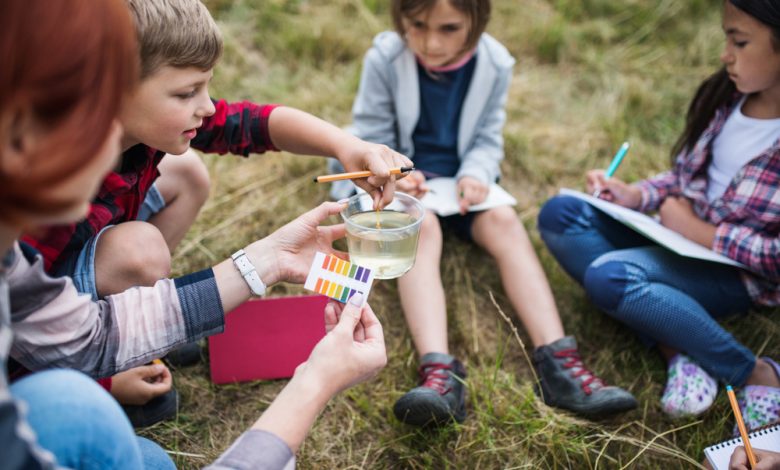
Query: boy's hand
(286, 254)
(765, 460)
(613, 189)
(351, 352)
(470, 192)
(413, 185)
(359, 155)
(139, 385)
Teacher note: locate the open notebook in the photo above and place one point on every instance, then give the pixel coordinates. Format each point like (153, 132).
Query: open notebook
(653, 230)
(764, 439)
(443, 197)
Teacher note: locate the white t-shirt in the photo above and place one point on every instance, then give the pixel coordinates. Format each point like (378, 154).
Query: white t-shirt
(742, 139)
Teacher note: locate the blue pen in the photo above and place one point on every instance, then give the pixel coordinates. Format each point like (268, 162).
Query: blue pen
(621, 153)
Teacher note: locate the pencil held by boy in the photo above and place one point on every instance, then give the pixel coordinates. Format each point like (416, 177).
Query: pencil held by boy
(719, 193)
(146, 205)
(435, 89)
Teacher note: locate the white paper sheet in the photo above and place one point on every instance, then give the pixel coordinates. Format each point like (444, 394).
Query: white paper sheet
(653, 230)
(443, 197)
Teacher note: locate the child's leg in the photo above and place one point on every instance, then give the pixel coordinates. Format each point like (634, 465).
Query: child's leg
(184, 185)
(502, 235)
(576, 234)
(564, 380)
(422, 294)
(441, 393)
(675, 301)
(139, 253)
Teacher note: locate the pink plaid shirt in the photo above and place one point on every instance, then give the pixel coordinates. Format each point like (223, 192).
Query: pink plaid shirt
(747, 215)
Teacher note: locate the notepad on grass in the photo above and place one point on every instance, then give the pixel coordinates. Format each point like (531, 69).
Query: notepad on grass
(762, 439)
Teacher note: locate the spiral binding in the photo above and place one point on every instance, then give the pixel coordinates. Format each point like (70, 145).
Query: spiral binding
(762, 431)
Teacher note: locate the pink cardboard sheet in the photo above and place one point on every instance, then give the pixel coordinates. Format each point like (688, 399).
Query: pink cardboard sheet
(267, 338)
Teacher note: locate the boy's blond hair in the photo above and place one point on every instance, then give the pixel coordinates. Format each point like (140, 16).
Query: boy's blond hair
(179, 33)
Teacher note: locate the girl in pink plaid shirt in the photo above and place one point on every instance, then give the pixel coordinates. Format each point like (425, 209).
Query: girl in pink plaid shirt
(722, 193)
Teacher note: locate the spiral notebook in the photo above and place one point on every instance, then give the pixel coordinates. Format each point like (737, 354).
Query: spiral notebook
(765, 439)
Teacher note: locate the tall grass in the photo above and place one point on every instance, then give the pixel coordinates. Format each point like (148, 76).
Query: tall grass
(590, 74)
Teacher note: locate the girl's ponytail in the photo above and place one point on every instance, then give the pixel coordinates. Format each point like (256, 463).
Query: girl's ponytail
(715, 92)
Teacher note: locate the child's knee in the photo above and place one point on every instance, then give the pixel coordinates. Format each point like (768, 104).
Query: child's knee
(138, 251)
(503, 219)
(196, 174)
(606, 282)
(560, 213)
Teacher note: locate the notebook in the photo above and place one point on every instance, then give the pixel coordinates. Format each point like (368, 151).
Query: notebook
(765, 439)
(267, 338)
(653, 230)
(443, 197)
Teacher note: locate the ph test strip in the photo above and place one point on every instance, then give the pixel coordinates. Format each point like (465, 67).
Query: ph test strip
(337, 278)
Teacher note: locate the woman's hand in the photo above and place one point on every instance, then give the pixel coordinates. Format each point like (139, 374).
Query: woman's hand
(613, 189)
(413, 185)
(470, 192)
(138, 385)
(359, 155)
(288, 252)
(352, 351)
(677, 214)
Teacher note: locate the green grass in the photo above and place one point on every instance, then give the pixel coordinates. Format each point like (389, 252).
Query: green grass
(590, 74)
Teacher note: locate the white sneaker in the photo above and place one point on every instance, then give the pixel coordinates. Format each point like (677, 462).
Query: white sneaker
(689, 390)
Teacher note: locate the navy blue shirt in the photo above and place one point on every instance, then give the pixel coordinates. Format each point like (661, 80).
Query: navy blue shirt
(435, 138)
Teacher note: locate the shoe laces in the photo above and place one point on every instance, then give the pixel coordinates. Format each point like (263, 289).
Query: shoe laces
(579, 371)
(435, 375)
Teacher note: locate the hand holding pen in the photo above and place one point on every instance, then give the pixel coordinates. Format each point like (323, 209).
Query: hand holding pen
(601, 184)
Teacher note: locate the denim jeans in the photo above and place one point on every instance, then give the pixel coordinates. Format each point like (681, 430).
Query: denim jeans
(82, 425)
(666, 298)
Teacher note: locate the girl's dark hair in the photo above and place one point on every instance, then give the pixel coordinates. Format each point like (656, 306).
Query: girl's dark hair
(478, 12)
(718, 89)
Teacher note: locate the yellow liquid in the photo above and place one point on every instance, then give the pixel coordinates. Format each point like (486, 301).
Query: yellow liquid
(389, 253)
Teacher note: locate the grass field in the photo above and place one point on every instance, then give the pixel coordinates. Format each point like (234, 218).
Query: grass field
(590, 74)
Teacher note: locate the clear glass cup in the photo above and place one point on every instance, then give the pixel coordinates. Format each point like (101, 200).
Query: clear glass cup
(384, 241)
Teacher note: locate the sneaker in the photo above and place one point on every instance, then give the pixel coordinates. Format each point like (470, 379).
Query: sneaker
(759, 404)
(441, 395)
(185, 355)
(157, 409)
(689, 391)
(566, 383)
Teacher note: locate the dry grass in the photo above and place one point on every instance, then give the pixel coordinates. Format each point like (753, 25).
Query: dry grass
(590, 74)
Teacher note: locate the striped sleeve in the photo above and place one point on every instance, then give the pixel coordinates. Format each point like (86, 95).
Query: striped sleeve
(55, 326)
(654, 190)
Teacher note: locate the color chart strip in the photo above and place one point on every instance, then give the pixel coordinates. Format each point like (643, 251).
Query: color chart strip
(345, 268)
(337, 278)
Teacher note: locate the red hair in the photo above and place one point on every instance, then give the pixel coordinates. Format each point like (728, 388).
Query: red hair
(69, 63)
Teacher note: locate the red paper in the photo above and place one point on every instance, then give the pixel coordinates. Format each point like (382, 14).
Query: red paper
(267, 338)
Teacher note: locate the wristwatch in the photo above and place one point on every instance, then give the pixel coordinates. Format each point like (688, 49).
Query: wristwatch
(248, 271)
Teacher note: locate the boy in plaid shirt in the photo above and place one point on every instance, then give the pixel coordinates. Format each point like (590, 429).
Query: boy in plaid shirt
(146, 205)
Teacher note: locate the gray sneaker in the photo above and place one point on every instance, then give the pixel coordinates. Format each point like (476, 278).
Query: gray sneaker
(441, 395)
(566, 383)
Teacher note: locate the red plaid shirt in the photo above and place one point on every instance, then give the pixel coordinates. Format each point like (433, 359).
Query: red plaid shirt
(238, 128)
(747, 215)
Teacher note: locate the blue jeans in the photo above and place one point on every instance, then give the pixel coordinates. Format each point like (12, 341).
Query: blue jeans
(82, 425)
(664, 297)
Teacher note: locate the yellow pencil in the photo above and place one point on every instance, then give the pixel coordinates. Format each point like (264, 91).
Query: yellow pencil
(741, 425)
(359, 174)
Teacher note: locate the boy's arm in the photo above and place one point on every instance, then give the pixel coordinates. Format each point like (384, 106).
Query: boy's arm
(482, 159)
